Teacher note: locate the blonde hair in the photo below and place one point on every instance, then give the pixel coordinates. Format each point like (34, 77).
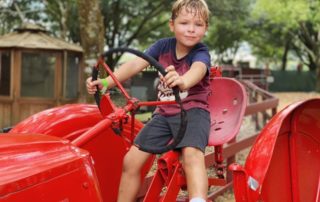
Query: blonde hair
(198, 7)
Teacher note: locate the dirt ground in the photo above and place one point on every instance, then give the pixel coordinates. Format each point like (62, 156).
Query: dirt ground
(292, 97)
(285, 98)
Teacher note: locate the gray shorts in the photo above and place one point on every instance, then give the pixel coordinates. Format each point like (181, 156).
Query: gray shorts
(160, 129)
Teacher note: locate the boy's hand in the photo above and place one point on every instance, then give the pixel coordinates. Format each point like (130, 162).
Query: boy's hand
(172, 78)
(91, 85)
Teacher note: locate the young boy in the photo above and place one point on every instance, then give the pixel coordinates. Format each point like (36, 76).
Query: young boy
(187, 62)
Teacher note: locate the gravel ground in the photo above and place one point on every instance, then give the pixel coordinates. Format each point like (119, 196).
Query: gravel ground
(285, 98)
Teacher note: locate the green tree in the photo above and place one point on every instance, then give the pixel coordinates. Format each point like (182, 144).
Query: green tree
(299, 21)
(14, 13)
(62, 18)
(269, 42)
(59, 17)
(228, 27)
(134, 22)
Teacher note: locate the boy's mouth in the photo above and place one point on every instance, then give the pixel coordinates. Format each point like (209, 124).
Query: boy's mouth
(190, 37)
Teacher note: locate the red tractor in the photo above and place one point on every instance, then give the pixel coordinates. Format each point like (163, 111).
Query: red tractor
(74, 152)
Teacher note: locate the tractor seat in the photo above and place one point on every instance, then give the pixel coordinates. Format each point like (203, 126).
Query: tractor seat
(227, 104)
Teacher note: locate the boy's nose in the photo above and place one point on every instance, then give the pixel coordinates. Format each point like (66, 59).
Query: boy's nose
(191, 28)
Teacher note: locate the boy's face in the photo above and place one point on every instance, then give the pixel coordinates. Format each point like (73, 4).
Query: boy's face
(189, 28)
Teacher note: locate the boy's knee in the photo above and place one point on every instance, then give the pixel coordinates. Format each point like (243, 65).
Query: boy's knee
(192, 156)
(133, 161)
(128, 165)
(192, 152)
(125, 163)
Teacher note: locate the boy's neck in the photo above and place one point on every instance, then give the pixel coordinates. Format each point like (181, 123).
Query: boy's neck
(182, 51)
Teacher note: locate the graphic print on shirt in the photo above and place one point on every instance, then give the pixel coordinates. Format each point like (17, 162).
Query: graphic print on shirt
(165, 93)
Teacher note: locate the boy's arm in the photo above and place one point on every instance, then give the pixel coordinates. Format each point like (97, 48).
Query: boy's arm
(124, 72)
(193, 76)
(127, 70)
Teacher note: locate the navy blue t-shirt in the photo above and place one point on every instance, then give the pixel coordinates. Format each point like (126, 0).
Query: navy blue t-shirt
(164, 51)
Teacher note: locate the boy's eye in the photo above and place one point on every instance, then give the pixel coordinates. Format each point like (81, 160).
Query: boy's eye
(199, 23)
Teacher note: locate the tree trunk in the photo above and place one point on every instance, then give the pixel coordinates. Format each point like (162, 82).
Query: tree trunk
(285, 55)
(91, 28)
(63, 19)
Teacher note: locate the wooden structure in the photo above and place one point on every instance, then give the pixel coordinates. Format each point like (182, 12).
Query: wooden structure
(37, 72)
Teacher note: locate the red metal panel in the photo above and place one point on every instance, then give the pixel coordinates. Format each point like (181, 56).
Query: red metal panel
(259, 158)
(108, 150)
(317, 198)
(277, 183)
(295, 157)
(105, 146)
(239, 183)
(45, 168)
(306, 148)
(68, 121)
(283, 164)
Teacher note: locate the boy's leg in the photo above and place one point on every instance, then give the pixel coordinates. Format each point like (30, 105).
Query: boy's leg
(195, 170)
(130, 178)
(193, 147)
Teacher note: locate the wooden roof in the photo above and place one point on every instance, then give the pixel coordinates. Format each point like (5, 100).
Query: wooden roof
(34, 37)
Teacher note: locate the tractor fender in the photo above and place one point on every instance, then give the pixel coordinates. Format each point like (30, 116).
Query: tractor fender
(68, 121)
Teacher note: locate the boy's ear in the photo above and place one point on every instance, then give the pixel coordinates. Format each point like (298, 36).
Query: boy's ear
(171, 25)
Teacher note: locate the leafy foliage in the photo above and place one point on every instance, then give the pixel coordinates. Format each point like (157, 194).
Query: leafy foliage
(134, 22)
(60, 17)
(228, 27)
(298, 21)
(63, 19)
(13, 13)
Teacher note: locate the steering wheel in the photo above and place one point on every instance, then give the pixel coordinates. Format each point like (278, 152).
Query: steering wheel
(183, 115)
